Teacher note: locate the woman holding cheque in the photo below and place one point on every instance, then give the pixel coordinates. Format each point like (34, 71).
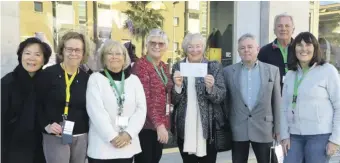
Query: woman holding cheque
(116, 106)
(192, 97)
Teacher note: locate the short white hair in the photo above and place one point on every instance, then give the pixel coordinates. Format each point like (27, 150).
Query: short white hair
(190, 37)
(111, 45)
(246, 36)
(278, 17)
(156, 32)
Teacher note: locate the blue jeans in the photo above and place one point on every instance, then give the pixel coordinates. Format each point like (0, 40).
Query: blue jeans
(311, 148)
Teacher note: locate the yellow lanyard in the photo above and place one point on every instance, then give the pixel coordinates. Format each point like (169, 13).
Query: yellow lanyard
(68, 86)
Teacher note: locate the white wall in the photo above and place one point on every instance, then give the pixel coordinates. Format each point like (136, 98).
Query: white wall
(257, 18)
(298, 9)
(247, 20)
(10, 35)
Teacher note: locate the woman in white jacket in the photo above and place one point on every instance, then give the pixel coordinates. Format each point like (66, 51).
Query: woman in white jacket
(310, 114)
(116, 106)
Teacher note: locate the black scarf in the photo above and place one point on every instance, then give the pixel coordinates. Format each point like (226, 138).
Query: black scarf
(118, 76)
(24, 85)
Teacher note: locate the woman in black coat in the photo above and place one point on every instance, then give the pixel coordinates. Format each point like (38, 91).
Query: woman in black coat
(21, 138)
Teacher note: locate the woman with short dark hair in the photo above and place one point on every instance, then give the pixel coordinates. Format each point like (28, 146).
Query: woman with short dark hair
(310, 113)
(20, 137)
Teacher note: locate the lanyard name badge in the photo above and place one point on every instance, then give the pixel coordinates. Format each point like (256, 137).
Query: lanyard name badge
(66, 124)
(296, 87)
(121, 121)
(164, 78)
(284, 53)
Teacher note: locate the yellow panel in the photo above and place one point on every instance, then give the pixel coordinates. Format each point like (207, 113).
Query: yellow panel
(214, 54)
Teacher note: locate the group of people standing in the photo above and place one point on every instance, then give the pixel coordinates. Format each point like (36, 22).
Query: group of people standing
(283, 92)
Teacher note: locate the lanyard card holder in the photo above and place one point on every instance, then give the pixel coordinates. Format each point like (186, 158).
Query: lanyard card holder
(67, 135)
(169, 107)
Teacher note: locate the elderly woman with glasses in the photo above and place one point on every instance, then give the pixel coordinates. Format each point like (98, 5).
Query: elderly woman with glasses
(191, 98)
(62, 103)
(155, 78)
(116, 106)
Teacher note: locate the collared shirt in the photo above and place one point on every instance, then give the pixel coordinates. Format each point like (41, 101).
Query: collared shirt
(250, 84)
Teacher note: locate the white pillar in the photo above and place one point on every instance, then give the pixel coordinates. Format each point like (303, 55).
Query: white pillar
(246, 20)
(10, 35)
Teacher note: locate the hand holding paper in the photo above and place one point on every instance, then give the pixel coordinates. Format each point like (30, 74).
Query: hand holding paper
(178, 79)
(209, 81)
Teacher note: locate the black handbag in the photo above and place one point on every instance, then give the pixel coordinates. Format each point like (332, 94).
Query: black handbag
(220, 131)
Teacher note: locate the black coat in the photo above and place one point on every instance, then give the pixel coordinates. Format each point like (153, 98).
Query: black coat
(21, 139)
(271, 54)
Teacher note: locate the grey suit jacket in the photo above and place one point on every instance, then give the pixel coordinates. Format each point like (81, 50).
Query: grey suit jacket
(262, 121)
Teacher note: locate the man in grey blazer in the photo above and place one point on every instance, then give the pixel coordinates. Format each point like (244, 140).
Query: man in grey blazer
(253, 100)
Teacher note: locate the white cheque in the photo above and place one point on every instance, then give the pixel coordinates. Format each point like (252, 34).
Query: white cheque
(194, 69)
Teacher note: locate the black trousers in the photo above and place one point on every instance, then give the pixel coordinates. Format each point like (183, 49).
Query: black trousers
(128, 160)
(209, 158)
(151, 148)
(24, 147)
(240, 151)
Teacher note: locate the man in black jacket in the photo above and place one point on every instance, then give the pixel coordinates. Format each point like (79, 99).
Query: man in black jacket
(278, 52)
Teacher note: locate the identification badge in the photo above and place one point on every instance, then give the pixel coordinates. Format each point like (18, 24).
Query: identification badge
(67, 132)
(122, 121)
(169, 108)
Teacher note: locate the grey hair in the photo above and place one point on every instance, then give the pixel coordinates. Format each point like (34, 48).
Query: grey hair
(278, 17)
(245, 36)
(110, 45)
(190, 37)
(157, 33)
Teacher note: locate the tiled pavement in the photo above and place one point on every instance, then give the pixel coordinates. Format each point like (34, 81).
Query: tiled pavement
(173, 156)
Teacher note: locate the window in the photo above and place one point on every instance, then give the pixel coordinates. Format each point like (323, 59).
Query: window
(176, 21)
(194, 16)
(38, 6)
(82, 12)
(65, 2)
(329, 31)
(104, 6)
(176, 44)
(194, 5)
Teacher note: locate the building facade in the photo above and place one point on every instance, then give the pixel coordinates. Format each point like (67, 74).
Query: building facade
(227, 20)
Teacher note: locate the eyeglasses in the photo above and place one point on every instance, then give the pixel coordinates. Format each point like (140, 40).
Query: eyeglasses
(70, 50)
(154, 44)
(112, 54)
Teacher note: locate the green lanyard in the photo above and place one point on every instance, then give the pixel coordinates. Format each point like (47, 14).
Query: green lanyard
(162, 75)
(297, 84)
(120, 92)
(284, 52)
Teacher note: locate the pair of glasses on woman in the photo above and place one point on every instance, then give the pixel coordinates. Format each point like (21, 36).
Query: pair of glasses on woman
(154, 44)
(70, 50)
